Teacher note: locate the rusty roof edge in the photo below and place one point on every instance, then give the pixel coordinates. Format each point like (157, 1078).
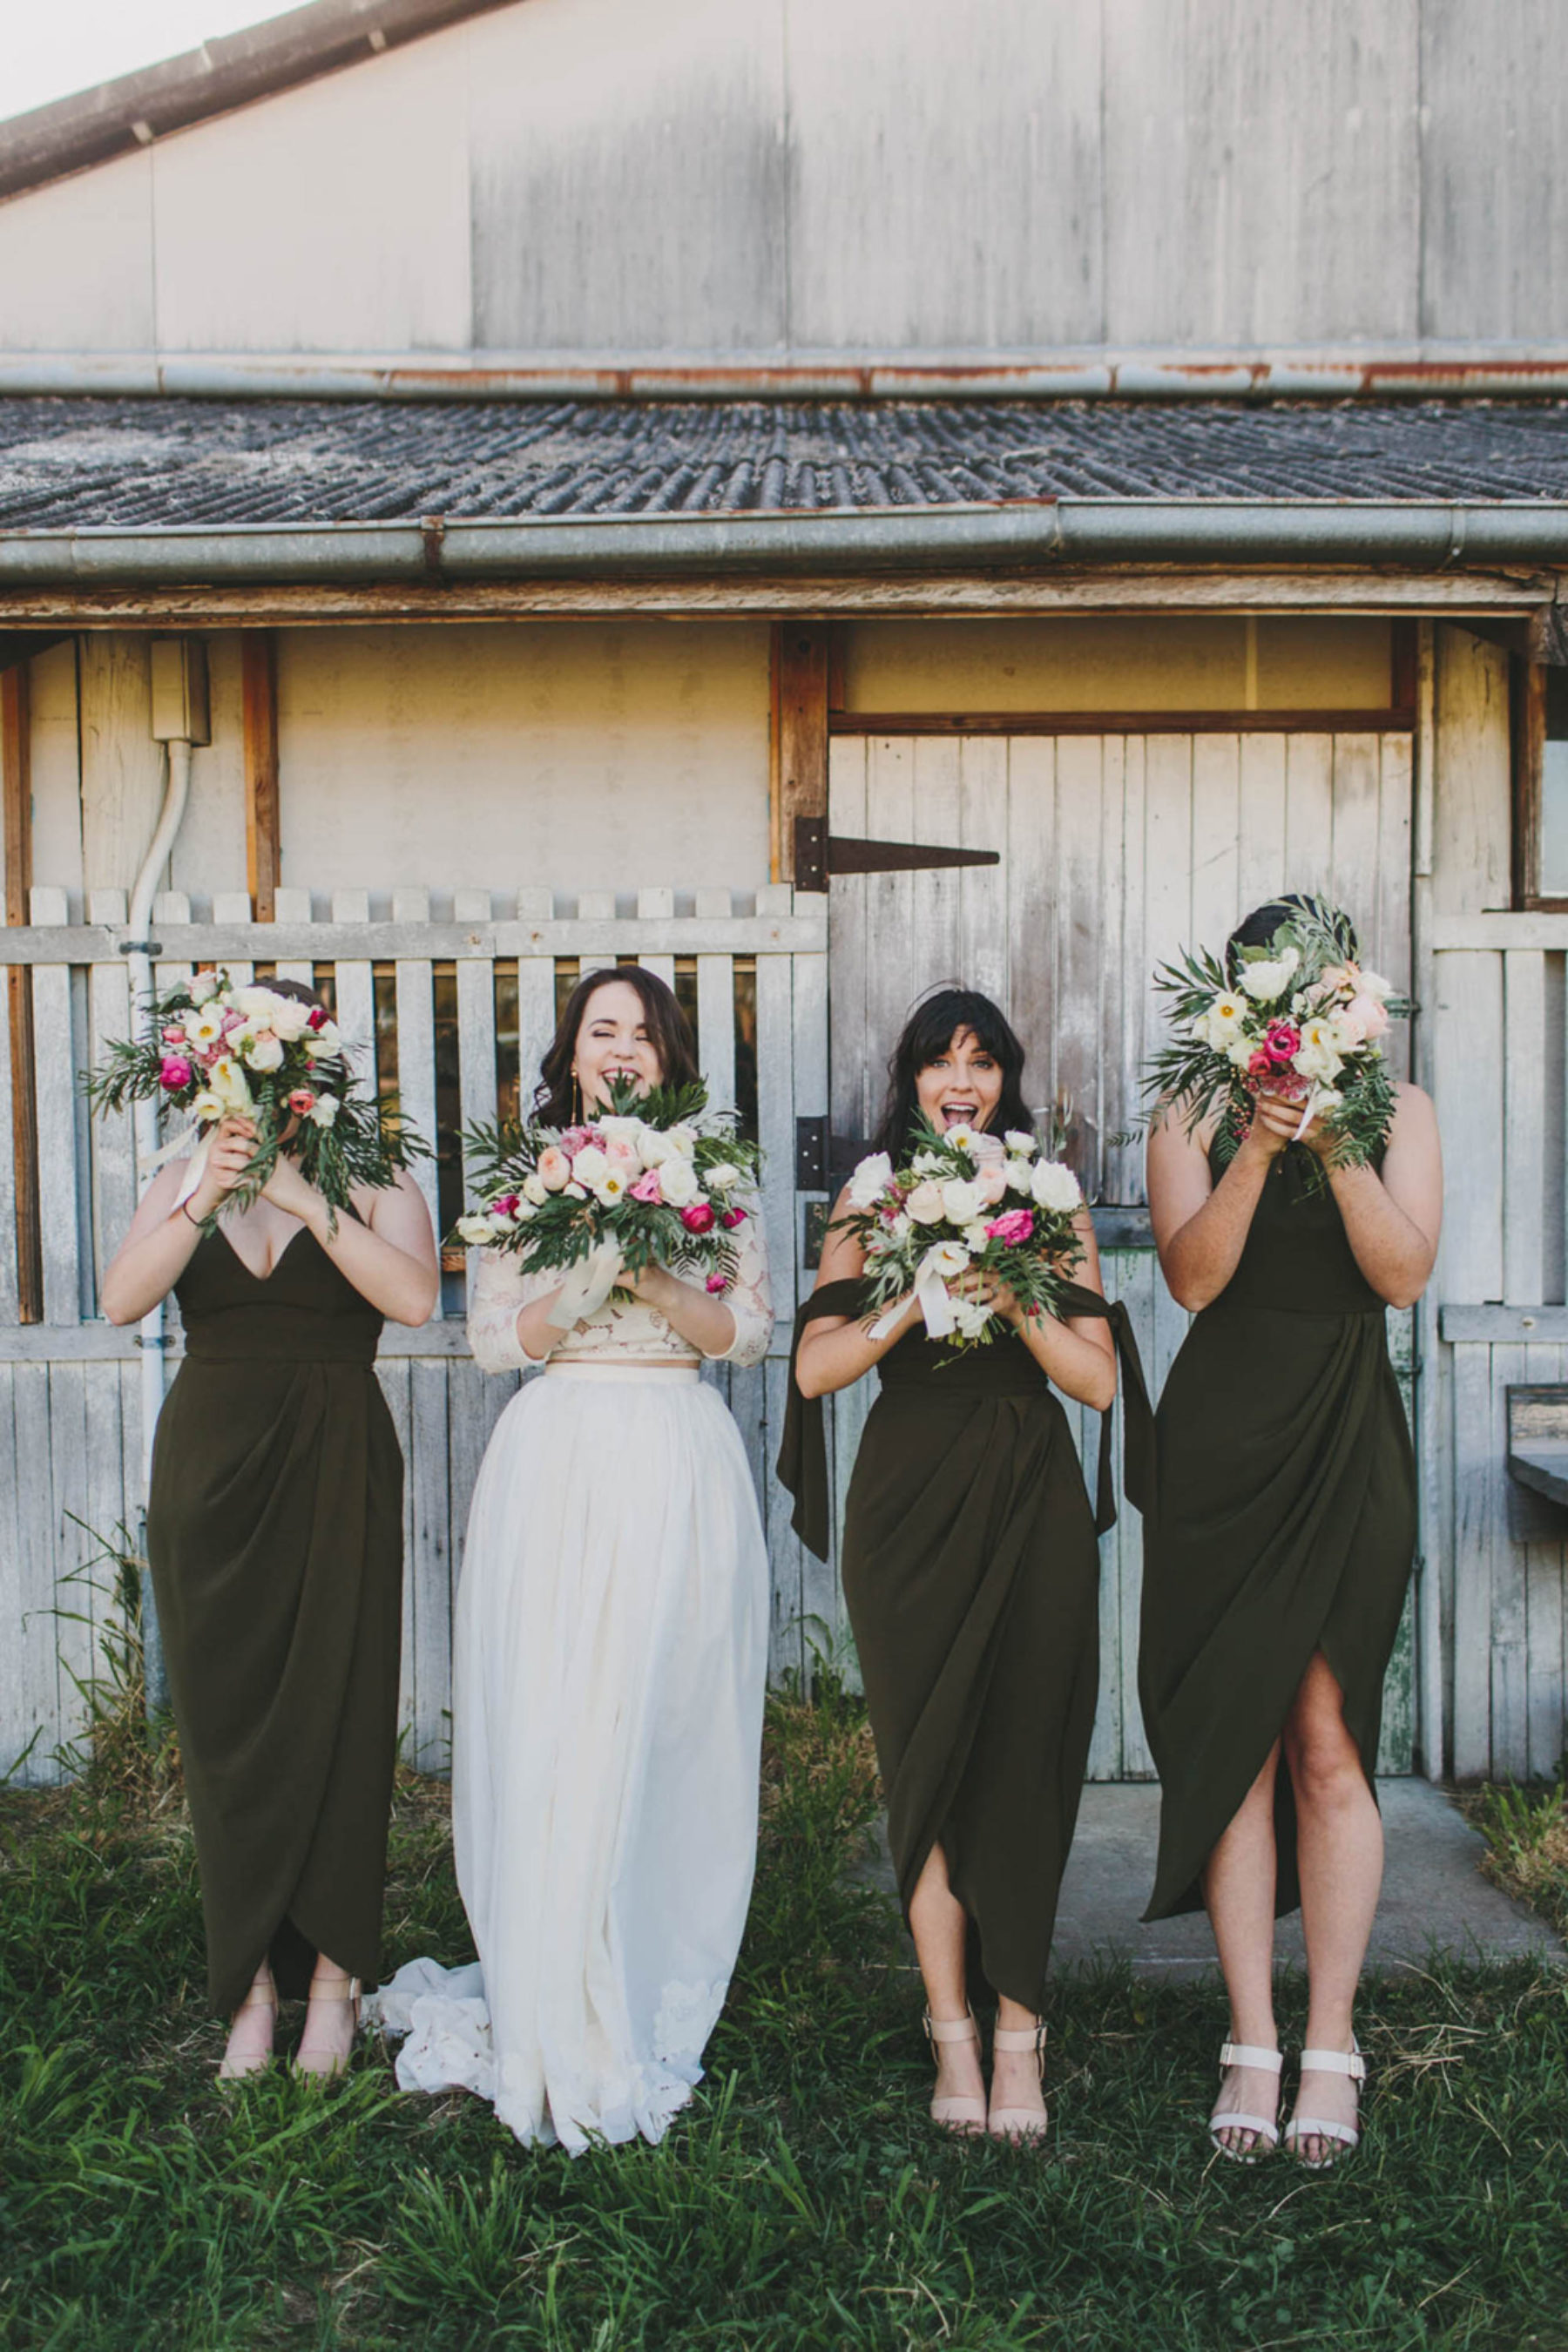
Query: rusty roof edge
(115, 118)
(1416, 536)
(1425, 372)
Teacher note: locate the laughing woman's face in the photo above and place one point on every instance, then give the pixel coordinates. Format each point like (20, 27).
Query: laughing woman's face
(612, 1043)
(962, 1086)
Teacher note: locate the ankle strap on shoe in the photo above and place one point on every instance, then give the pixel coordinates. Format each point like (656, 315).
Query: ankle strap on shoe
(1019, 2039)
(951, 2029)
(1250, 2054)
(1335, 2062)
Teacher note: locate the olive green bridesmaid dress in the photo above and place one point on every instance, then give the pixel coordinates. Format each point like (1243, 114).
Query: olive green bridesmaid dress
(971, 1573)
(275, 1536)
(1285, 1524)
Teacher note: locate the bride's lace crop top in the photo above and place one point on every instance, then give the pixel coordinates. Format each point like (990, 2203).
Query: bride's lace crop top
(622, 1329)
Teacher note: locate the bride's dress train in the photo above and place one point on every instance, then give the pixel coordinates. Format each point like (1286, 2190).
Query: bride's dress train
(608, 1669)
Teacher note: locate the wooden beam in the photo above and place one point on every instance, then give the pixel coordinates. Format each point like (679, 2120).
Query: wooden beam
(16, 783)
(1527, 727)
(937, 596)
(801, 667)
(263, 841)
(1121, 723)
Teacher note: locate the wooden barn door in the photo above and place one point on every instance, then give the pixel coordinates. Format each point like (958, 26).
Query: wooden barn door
(1113, 851)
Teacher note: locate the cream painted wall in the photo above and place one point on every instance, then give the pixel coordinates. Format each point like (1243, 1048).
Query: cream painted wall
(76, 263)
(1172, 664)
(585, 757)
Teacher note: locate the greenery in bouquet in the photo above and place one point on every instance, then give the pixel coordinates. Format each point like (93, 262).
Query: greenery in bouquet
(1300, 1018)
(218, 1050)
(965, 1203)
(664, 1178)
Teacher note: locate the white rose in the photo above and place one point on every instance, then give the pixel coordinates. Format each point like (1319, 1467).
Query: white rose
(533, 1190)
(678, 1183)
(950, 1259)
(654, 1147)
(1372, 983)
(265, 1052)
(323, 1112)
(497, 1223)
(476, 1230)
(589, 1165)
(205, 985)
(1264, 980)
(257, 1004)
(961, 1201)
(977, 1238)
(291, 1019)
(619, 1129)
(1020, 1175)
(682, 1139)
(721, 1178)
(925, 1204)
(970, 1318)
(611, 1189)
(870, 1180)
(1022, 1145)
(1055, 1187)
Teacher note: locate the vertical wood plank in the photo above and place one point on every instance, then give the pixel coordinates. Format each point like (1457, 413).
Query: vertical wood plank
(1357, 830)
(1475, 1507)
(1390, 942)
(1510, 1753)
(1124, 1175)
(416, 1042)
(1216, 836)
(1030, 862)
(21, 1267)
(430, 1562)
(800, 656)
(65, 1475)
(233, 906)
(54, 1115)
(935, 813)
(11, 1154)
(113, 1142)
(1546, 1706)
(653, 904)
(1523, 1132)
(476, 1037)
(32, 1629)
(1077, 997)
(258, 708)
(1466, 1085)
(1118, 1082)
(982, 946)
(355, 989)
(716, 1008)
(17, 1725)
(775, 1123)
(1260, 865)
(293, 906)
(848, 924)
(535, 995)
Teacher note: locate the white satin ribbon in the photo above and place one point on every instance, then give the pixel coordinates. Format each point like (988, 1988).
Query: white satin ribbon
(930, 1295)
(587, 1285)
(1320, 1098)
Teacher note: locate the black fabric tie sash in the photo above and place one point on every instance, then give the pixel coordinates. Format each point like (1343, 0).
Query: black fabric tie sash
(803, 1451)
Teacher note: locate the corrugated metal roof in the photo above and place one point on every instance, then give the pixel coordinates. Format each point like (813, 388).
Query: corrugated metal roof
(160, 464)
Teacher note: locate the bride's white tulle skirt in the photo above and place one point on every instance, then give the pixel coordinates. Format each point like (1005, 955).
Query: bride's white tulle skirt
(610, 1652)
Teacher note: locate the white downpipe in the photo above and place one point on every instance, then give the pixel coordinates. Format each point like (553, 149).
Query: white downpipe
(144, 1114)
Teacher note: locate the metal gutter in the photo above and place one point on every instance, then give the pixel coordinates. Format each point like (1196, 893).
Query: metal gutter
(1505, 372)
(1069, 531)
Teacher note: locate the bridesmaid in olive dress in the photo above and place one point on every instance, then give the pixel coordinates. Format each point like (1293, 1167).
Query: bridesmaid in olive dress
(1275, 1566)
(971, 1574)
(275, 1535)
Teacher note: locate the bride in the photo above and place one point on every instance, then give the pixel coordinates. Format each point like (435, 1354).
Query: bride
(609, 1658)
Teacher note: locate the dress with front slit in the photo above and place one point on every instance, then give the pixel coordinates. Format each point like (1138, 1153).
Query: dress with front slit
(1285, 1525)
(970, 1575)
(275, 1537)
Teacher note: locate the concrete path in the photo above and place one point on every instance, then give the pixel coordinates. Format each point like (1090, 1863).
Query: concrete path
(1434, 1896)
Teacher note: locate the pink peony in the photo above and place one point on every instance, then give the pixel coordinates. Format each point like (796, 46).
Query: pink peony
(648, 1188)
(317, 1017)
(1283, 1039)
(991, 1181)
(174, 1072)
(302, 1101)
(1013, 1228)
(577, 1138)
(699, 1218)
(554, 1170)
(1363, 1019)
(732, 1217)
(505, 1207)
(1259, 1066)
(717, 1282)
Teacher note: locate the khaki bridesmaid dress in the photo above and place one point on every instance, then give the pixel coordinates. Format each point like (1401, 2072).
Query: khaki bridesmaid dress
(275, 1536)
(970, 1572)
(1285, 1524)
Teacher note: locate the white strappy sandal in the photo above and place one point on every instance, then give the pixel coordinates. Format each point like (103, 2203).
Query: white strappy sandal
(958, 2112)
(1301, 2127)
(1268, 2061)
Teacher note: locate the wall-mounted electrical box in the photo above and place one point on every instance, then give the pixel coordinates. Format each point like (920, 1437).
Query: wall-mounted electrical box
(179, 675)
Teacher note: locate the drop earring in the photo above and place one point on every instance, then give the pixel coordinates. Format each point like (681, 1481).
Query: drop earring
(576, 1101)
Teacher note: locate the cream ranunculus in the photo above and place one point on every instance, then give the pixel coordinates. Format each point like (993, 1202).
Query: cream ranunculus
(949, 1259)
(870, 1180)
(925, 1204)
(1021, 1145)
(291, 1019)
(1263, 980)
(534, 1190)
(266, 1051)
(961, 1201)
(683, 1140)
(655, 1147)
(205, 984)
(619, 1129)
(678, 1183)
(325, 1111)
(589, 1164)
(476, 1231)
(1056, 1188)
(1318, 1055)
(1019, 1175)
(724, 1177)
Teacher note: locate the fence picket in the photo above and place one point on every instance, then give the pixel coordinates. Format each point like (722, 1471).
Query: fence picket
(113, 1142)
(412, 979)
(716, 1008)
(55, 1111)
(656, 902)
(10, 1304)
(233, 906)
(293, 907)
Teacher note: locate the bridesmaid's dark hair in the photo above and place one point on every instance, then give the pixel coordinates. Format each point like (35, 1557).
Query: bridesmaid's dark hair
(927, 1034)
(299, 990)
(1258, 929)
(555, 1099)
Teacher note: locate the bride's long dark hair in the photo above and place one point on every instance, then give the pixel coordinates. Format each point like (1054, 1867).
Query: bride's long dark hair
(1257, 930)
(557, 1100)
(927, 1034)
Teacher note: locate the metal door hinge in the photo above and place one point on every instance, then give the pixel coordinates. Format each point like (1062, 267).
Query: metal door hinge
(819, 854)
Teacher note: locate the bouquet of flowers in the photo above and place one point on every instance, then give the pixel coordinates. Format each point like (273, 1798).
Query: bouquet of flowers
(965, 1202)
(1304, 1022)
(657, 1178)
(218, 1051)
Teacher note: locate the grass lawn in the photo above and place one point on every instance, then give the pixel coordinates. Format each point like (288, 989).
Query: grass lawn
(803, 2201)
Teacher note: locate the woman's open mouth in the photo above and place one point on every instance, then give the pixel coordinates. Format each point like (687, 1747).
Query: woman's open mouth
(959, 1112)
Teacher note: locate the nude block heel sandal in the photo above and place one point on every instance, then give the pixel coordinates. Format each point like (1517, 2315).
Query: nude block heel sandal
(1270, 2061)
(1301, 2127)
(1020, 2123)
(328, 2063)
(233, 2070)
(956, 2112)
